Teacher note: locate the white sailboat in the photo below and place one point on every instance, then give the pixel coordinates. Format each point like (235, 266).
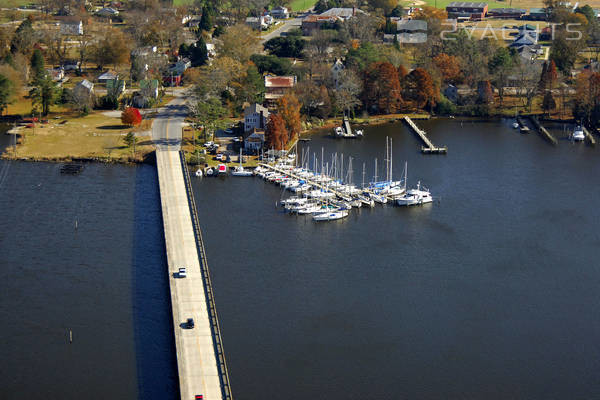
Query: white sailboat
(239, 170)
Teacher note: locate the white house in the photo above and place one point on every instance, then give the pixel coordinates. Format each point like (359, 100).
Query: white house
(336, 69)
(255, 117)
(257, 22)
(280, 13)
(71, 28)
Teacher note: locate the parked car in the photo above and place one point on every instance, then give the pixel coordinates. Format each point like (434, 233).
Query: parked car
(182, 273)
(190, 323)
(219, 157)
(209, 144)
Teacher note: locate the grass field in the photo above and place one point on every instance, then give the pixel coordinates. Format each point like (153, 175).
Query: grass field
(526, 4)
(93, 136)
(301, 5)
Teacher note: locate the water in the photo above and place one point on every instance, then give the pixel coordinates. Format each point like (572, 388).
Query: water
(490, 292)
(83, 254)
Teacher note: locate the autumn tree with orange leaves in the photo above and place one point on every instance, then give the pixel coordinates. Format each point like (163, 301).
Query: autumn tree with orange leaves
(586, 106)
(288, 107)
(448, 67)
(276, 135)
(381, 90)
(422, 89)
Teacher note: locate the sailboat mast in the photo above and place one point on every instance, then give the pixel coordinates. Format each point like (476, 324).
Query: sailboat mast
(342, 168)
(375, 177)
(363, 181)
(391, 162)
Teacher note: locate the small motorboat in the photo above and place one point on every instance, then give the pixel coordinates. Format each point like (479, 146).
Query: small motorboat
(524, 129)
(240, 171)
(414, 197)
(209, 171)
(198, 173)
(221, 169)
(515, 125)
(339, 131)
(578, 134)
(359, 132)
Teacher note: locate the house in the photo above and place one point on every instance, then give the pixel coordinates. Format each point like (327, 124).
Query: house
(257, 23)
(467, 10)
(255, 117)
(144, 51)
(115, 88)
(280, 13)
(149, 88)
(84, 91)
(107, 76)
(107, 12)
(314, 22)
(180, 66)
(527, 38)
(276, 87)
(537, 14)
(71, 27)
(418, 37)
(336, 70)
(254, 140)
(530, 52)
(342, 13)
(451, 93)
(506, 13)
(57, 74)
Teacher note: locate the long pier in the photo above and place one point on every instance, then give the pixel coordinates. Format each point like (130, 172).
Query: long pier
(429, 146)
(200, 358)
(545, 134)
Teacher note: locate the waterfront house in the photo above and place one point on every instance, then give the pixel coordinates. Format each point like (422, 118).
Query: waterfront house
(254, 140)
(276, 87)
(73, 28)
(467, 10)
(255, 117)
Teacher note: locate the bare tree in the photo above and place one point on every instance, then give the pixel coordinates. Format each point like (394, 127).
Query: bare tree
(348, 92)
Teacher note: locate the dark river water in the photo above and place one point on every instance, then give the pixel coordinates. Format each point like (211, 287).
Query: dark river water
(490, 292)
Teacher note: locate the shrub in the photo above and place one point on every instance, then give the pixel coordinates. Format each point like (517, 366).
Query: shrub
(131, 116)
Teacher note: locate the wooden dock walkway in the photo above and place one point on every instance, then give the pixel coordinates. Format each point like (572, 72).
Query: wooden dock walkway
(319, 185)
(429, 147)
(545, 134)
(589, 137)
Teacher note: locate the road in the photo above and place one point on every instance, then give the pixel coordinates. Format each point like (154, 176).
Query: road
(287, 25)
(196, 361)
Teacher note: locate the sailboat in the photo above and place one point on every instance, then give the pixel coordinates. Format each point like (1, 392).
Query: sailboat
(239, 170)
(413, 197)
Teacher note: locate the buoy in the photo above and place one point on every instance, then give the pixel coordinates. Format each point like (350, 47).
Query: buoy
(70, 336)
(75, 224)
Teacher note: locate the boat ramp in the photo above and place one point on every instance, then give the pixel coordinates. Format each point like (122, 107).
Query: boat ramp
(429, 147)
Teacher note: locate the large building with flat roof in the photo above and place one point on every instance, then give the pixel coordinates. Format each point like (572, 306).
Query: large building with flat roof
(467, 10)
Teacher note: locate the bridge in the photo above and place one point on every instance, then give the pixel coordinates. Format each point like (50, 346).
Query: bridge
(201, 362)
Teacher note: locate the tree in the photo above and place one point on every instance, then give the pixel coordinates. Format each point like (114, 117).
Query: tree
(286, 46)
(485, 93)
(197, 52)
(276, 134)
(272, 64)
(564, 52)
(251, 88)
(239, 42)
(588, 12)
(207, 113)
(112, 49)
(206, 21)
(548, 104)
(43, 94)
(422, 89)
(381, 90)
(131, 116)
(549, 75)
(586, 106)
(500, 66)
(363, 56)
(6, 93)
(24, 37)
(448, 67)
(38, 67)
(130, 140)
(347, 94)
(288, 107)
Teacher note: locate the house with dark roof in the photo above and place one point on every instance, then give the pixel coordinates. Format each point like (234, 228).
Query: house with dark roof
(527, 38)
(537, 14)
(467, 10)
(255, 117)
(506, 13)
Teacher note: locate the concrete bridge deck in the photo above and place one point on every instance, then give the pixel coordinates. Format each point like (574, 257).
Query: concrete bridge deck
(198, 349)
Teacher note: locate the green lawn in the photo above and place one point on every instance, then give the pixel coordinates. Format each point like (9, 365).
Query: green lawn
(301, 5)
(182, 2)
(526, 4)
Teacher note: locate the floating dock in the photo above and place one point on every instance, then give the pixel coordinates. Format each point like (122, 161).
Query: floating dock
(589, 137)
(429, 147)
(545, 134)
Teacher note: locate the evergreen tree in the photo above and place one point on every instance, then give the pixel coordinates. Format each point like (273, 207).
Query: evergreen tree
(206, 21)
(38, 66)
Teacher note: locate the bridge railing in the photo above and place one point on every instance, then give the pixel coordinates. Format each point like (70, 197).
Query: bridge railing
(210, 300)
